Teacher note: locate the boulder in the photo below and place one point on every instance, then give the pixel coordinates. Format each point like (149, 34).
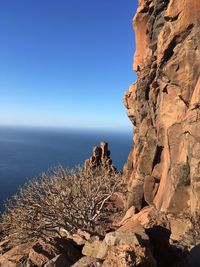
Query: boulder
(125, 256)
(80, 237)
(127, 249)
(122, 248)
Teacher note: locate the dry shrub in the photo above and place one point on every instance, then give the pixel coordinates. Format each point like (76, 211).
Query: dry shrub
(62, 198)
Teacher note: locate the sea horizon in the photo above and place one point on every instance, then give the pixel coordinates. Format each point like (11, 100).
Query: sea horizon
(26, 152)
(121, 129)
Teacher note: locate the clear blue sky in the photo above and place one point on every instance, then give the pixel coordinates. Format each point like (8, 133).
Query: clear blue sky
(66, 62)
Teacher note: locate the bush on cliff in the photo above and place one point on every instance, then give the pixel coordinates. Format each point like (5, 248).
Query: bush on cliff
(68, 199)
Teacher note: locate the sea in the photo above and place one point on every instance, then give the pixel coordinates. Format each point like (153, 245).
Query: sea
(26, 152)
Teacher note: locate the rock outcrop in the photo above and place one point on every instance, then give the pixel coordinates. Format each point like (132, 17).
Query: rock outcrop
(39, 253)
(163, 168)
(100, 159)
(122, 248)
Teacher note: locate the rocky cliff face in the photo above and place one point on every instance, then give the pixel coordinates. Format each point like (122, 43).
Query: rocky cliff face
(163, 168)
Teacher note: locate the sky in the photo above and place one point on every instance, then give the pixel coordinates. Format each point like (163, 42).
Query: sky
(66, 63)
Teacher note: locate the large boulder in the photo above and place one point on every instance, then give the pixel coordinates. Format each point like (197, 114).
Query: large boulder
(126, 249)
(127, 246)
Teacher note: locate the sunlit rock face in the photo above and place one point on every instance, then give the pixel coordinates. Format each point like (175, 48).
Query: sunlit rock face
(100, 159)
(163, 168)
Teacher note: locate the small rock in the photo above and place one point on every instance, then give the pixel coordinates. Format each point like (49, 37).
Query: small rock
(91, 247)
(116, 238)
(130, 212)
(59, 261)
(134, 226)
(87, 262)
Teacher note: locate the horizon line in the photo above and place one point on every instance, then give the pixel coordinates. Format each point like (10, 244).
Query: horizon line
(59, 127)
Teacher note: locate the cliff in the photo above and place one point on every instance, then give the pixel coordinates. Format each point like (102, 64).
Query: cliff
(163, 168)
(161, 225)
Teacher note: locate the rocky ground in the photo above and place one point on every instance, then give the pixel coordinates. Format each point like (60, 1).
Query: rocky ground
(136, 239)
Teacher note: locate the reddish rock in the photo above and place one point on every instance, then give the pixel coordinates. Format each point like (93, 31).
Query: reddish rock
(91, 247)
(100, 158)
(163, 168)
(125, 255)
(39, 253)
(129, 213)
(122, 248)
(15, 255)
(59, 261)
(87, 262)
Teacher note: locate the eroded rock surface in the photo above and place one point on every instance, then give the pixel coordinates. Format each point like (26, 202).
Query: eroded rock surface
(163, 168)
(38, 253)
(100, 158)
(122, 249)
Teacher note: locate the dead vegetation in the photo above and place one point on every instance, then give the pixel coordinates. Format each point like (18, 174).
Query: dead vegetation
(68, 199)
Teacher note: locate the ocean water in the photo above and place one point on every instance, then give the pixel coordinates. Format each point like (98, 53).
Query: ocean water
(26, 152)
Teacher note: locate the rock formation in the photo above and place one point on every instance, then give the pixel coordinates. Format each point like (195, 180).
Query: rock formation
(100, 158)
(163, 168)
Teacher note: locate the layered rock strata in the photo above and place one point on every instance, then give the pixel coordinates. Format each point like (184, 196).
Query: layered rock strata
(163, 168)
